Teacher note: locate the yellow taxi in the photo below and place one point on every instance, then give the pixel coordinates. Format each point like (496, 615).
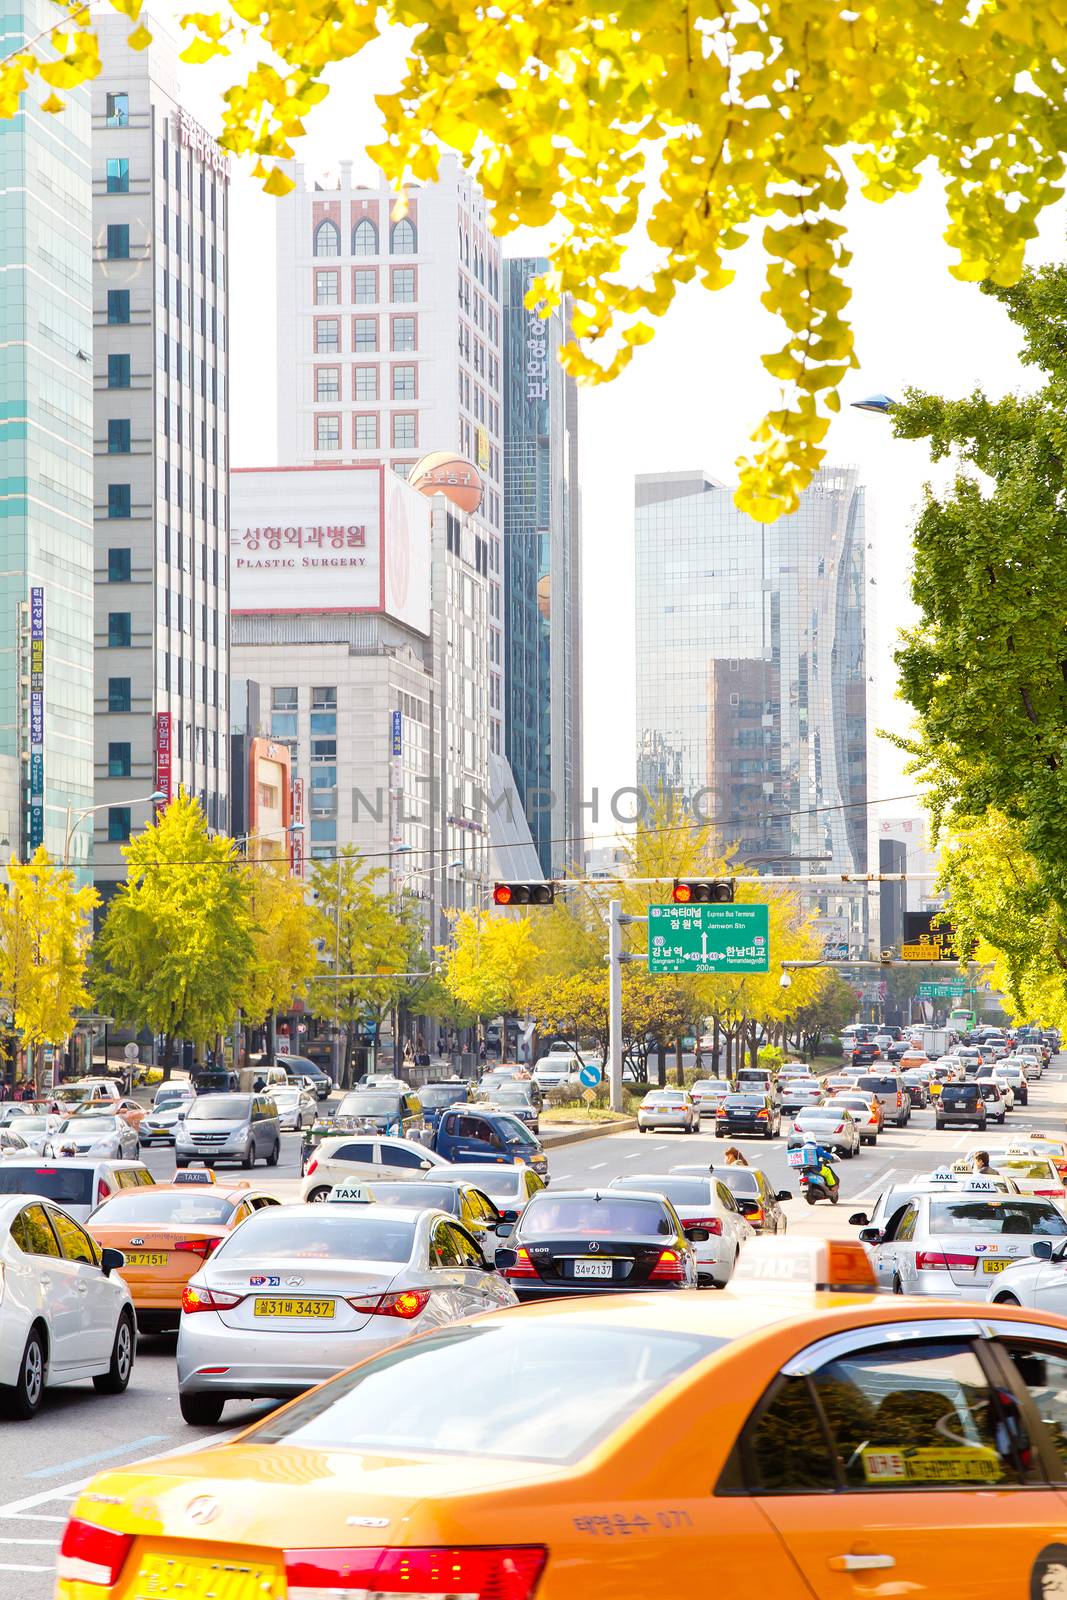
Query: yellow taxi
(797, 1431)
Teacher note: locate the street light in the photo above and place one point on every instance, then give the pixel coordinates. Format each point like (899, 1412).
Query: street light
(154, 799)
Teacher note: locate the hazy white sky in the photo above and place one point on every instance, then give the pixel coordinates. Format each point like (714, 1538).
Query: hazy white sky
(690, 399)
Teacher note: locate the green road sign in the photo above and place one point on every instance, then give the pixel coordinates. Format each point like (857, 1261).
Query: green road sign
(941, 991)
(708, 938)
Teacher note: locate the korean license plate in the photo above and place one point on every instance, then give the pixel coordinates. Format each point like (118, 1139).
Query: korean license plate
(276, 1306)
(165, 1578)
(592, 1269)
(145, 1258)
(995, 1266)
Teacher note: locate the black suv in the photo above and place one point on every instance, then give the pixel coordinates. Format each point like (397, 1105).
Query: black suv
(960, 1103)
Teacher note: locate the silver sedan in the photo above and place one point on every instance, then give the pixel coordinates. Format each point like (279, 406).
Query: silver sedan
(668, 1108)
(297, 1293)
(830, 1125)
(93, 1134)
(296, 1108)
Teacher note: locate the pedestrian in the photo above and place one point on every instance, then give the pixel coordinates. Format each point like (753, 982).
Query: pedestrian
(734, 1158)
(409, 1054)
(982, 1166)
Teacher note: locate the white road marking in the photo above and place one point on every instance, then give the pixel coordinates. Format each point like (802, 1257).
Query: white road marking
(596, 1166)
(876, 1185)
(37, 1516)
(8, 1566)
(49, 1544)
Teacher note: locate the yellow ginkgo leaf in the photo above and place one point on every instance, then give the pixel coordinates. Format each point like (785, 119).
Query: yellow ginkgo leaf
(53, 104)
(140, 38)
(278, 183)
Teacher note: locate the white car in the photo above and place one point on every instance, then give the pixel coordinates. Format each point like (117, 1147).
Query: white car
(557, 1071)
(1031, 1061)
(296, 1107)
(94, 1134)
(668, 1108)
(703, 1202)
(366, 1157)
(707, 1094)
(830, 1125)
(63, 1316)
(1039, 1283)
(996, 1095)
(951, 1245)
(297, 1293)
(78, 1184)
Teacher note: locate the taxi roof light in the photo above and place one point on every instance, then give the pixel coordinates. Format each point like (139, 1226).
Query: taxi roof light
(489, 1572)
(195, 1175)
(837, 1266)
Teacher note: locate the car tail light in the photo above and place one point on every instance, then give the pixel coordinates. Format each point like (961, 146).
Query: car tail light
(103, 1189)
(979, 1105)
(713, 1224)
(524, 1267)
(762, 1114)
(900, 1101)
(941, 1261)
(197, 1247)
(1052, 1194)
(670, 1268)
(311, 1166)
(90, 1554)
(489, 1572)
(208, 1299)
(406, 1303)
(840, 1128)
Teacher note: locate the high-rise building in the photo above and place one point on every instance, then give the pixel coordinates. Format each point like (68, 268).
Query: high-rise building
(46, 448)
(390, 342)
(751, 670)
(160, 228)
(542, 571)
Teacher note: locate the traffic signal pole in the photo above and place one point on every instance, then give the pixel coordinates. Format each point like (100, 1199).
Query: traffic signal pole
(617, 958)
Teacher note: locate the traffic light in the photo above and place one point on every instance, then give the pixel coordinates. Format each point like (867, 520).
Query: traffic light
(703, 891)
(523, 894)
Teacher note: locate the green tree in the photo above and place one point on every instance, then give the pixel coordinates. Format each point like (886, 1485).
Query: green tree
(176, 946)
(45, 929)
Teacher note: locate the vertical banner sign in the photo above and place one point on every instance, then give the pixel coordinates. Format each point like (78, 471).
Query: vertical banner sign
(36, 718)
(536, 352)
(396, 796)
(296, 835)
(163, 755)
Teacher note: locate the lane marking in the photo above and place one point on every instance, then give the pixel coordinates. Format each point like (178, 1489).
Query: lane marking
(9, 1566)
(98, 1455)
(35, 1516)
(49, 1544)
(597, 1166)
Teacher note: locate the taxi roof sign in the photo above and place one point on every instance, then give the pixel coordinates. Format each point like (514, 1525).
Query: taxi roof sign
(360, 1194)
(194, 1175)
(944, 1175)
(980, 1186)
(834, 1265)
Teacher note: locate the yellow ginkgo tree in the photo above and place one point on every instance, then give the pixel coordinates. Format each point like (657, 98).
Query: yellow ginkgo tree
(45, 930)
(690, 127)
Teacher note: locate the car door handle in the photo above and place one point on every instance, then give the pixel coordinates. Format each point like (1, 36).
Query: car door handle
(852, 1563)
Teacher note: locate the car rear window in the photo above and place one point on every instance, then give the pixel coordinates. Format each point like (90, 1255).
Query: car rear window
(581, 1215)
(960, 1091)
(679, 1191)
(746, 1100)
(67, 1185)
(738, 1180)
(497, 1182)
(335, 1232)
(439, 1196)
(1020, 1167)
(417, 1398)
(879, 1085)
(1001, 1217)
(149, 1204)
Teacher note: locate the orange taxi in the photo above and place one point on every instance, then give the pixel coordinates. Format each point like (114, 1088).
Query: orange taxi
(166, 1233)
(796, 1429)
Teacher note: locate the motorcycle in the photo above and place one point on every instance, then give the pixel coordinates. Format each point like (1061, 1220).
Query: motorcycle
(815, 1186)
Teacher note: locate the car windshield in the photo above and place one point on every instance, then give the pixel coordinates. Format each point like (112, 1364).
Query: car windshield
(997, 1216)
(439, 1196)
(369, 1103)
(86, 1126)
(285, 1097)
(499, 1183)
(1018, 1167)
(739, 1180)
(333, 1232)
(167, 1097)
(679, 1191)
(436, 1096)
(219, 1108)
(586, 1214)
(29, 1124)
(184, 1207)
(70, 1186)
(416, 1397)
(514, 1131)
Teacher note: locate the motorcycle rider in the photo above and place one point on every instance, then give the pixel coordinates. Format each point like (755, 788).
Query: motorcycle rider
(817, 1163)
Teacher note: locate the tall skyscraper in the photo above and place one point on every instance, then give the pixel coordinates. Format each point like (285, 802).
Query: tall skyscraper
(160, 199)
(751, 668)
(46, 434)
(542, 572)
(390, 342)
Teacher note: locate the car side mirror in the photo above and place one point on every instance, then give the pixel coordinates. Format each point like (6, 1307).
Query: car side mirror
(509, 1216)
(698, 1235)
(871, 1236)
(425, 1165)
(1042, 1249)
(111, 1260)
(859, 1219)
(505, 1229)
(506, 1258)
(784, 1194)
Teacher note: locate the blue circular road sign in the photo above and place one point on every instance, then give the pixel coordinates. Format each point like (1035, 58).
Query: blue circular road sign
(589, 1076)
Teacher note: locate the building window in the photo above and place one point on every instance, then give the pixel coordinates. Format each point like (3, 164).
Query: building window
(403, 383)
(284, 699)
(364, 238)
(324, 749)
(403, 333)
(404, 433)
(324, 831)
(118, 372)
(118, 630)
(327, 384)
(327, 334)
(327, 288)
(118, 241)
(365, 286)
(324, 699)
(402, 239)
(117, 111)
(118, 694)
(118, 436)
(327, 239)
(327, 433)
(366, 437)
(118, 564)
(403, 280)
(118, 305)
(403, 468)
(283, 725)
(118, 499)
(118, 175)
(366, 383)
(118, 824)
(118, 760)
(365, 333)
(323, 722)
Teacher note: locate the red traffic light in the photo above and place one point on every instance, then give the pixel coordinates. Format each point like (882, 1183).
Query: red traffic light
(703, 891)
(524, 894)
(683, 893)
(502, 894)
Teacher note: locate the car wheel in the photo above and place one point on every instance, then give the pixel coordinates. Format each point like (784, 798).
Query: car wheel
(200, 1409)
(24, 1397)
(982, 1125)
(249, 1158)
(180, 1161)
(641, 1129)
(319, 1194)
(273, 1158)
(116, 1379)
(1006, 1299)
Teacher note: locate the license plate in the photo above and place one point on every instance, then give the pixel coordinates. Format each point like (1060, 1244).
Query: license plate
(145, 1258)
(592, 1269)
(277, 1307)
(995, 1266)
(163, 1578)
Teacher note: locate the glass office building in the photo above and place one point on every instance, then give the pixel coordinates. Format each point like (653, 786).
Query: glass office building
(542, 572)
(46, 455)
(751, 666)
